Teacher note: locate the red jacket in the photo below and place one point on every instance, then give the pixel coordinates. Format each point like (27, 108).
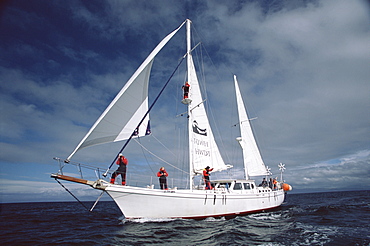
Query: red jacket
(161, 173)
(206, 172)
(121, 160)
(186, 87)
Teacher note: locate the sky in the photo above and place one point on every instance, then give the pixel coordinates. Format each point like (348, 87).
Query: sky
(302, 66)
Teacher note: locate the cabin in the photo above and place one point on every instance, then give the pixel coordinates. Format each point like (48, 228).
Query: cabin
(239, 186)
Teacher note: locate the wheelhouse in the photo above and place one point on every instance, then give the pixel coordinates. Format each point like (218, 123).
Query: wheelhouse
(234, 185)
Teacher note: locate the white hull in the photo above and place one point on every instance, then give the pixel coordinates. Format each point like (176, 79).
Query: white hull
(137, 202)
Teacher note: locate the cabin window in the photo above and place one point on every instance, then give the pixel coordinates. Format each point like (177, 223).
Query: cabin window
(252, 186)
(224, 185)
(238, 186)
(247, 186)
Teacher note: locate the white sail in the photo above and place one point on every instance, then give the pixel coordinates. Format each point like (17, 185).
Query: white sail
(121, 118)
(202, 146)
(253, 163)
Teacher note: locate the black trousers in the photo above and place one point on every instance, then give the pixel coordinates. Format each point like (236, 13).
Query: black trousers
(123, 175)
(163, 183)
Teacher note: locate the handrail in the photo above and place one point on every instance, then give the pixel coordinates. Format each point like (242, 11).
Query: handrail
(80, 167)
(140, 180)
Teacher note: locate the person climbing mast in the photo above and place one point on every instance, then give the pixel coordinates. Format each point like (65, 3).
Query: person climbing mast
(185, 88)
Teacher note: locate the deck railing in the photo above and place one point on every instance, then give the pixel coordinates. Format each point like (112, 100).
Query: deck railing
(90, 172)
(81, 168)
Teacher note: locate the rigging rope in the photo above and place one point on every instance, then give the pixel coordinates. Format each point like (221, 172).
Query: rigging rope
(159, 157)
(147, 162)
(164, 146)
(71, 194)
(147, 112)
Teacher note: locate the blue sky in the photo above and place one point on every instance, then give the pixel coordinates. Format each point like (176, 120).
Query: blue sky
(303, 68)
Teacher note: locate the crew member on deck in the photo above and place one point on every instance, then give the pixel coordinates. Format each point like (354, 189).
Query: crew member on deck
(162, 174)
(206, 175)
(122, 162)
(186, 89)
(274, 182)
(271, 183)
(264, 183)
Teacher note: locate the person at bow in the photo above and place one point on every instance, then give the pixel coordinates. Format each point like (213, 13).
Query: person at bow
(122, 163)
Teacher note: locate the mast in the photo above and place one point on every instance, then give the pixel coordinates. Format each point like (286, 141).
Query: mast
(203, 150)
(188, 61)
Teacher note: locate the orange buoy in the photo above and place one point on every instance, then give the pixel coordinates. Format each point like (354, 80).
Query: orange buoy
(286, 187)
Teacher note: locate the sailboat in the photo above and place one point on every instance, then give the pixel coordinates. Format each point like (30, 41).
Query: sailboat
(127, 117)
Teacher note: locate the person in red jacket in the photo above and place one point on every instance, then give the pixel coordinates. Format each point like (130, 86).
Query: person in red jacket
(122, 162)
(186, 90)
(206, 175)
(274, 182)
(162, 174)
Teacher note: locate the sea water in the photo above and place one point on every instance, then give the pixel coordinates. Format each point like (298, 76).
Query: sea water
(330, 218)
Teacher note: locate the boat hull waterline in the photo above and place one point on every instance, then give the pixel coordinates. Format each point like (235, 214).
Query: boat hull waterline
(137, 202)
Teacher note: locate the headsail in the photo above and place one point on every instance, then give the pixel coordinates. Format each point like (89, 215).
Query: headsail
(253, 163)
(202, 146)
(118, 123)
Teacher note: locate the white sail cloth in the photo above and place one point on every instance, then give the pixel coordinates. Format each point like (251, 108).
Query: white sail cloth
(121, 118)
(253, 163)
(203, 148)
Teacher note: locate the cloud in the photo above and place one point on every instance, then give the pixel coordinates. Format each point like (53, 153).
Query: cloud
(346, 173)
(302, 68)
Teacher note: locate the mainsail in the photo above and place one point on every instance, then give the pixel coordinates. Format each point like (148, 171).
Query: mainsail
(118, 122)
(202, 146)
(253, 162)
